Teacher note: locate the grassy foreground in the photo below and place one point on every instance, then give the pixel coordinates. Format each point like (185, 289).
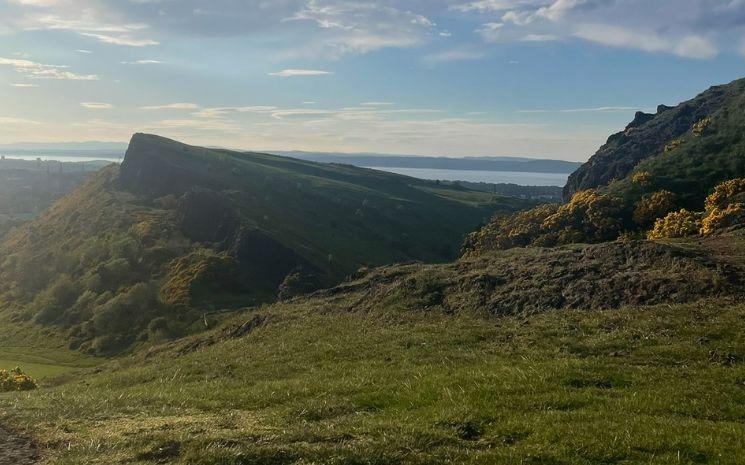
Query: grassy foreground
(658, 385)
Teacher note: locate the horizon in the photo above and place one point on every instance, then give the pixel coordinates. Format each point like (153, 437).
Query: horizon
(458, 78)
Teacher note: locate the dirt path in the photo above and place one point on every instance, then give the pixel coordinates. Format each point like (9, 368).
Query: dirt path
(16, 450)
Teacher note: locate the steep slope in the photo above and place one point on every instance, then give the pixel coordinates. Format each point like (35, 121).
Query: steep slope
(141, 252)
(652, 180)
(654, 135)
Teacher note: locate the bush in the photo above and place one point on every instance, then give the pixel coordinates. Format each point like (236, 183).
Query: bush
(590, 216)
(652, 207)
(16, 380)
(721, 218)
(677, 224)
(641, 178)
(732, 191)
(51, 304)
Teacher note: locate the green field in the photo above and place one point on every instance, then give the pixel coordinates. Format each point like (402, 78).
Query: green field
(659, 385)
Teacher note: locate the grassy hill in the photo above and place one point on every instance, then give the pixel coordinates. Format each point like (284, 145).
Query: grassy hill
(622, 351)
(423, 364)
(141, 252)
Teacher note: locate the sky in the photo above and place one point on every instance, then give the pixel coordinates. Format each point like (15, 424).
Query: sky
(536, 78)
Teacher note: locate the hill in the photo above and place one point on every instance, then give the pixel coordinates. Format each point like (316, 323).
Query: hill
(420, 364)
(142, 252)
(676, 173)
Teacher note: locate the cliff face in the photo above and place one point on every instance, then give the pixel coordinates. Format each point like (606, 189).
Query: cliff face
(648, 135)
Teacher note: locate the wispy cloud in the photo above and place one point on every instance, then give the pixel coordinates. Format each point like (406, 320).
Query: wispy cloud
(120, 40)
(85, 52)
(696, 29)
(300, 73)
(97, 106)
(36, 70)
(23, 85)
(453, 55)
(172, 106)
(143, 62)
(584, 110)
(12, 121)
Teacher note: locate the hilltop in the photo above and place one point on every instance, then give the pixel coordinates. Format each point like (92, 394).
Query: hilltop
(141, 252)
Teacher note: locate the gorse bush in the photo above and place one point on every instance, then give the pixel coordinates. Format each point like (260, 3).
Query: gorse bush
(726, 193)
(594, 216)
(590, 216)
(722, 218)
(677, 224)
(652, 207)
(16, 380)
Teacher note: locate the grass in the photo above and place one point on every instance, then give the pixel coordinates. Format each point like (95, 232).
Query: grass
(659, 385)
(42, 356)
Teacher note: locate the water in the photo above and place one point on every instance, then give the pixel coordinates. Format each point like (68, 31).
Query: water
(61, 158)
(495, 177)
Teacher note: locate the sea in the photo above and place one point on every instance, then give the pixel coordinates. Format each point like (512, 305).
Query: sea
(521, 178)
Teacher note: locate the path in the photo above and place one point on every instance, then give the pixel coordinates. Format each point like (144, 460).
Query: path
(15, 450)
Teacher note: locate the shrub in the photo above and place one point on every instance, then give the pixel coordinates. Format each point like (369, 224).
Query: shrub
(51, 304)
(721, 218)
(677, 224)
(16, 380)
(641, 178)
(700, 128)
(653, 206)
(726, 193)
(590, 216)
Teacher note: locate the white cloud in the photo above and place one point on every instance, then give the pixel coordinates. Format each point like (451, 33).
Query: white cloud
(691, 46)
(696, 29)
(453, 55)
(97, 106)
(34, 70)
(300, 72)
(539, 38)
(85, 52)
(143, 62)
(12, 121)
(172, 106)
(120, 40)
(24, 85)
(346, 27)
(96, 20)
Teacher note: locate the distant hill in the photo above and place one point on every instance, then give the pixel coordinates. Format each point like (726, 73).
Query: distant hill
(468, 163)
(176, 231)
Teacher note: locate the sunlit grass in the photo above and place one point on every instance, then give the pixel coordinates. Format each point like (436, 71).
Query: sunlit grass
(654, 385)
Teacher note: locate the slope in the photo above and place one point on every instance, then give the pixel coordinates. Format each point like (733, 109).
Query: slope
(142, 252)
(423, 364)
(652, 180)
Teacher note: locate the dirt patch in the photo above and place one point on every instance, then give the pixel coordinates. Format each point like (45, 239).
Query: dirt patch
(16, 449)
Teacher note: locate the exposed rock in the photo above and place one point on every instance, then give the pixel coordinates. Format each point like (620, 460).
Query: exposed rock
(647, 135)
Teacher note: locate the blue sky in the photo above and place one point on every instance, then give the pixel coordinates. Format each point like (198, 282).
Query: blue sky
(544, 78)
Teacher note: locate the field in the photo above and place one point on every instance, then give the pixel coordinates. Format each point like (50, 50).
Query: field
(662, 384)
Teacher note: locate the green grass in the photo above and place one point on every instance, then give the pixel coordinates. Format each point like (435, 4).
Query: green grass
(656, 385)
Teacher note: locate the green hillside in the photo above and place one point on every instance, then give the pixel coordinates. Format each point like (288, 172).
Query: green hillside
(152, 249)
(420, 364)
(651, 180)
